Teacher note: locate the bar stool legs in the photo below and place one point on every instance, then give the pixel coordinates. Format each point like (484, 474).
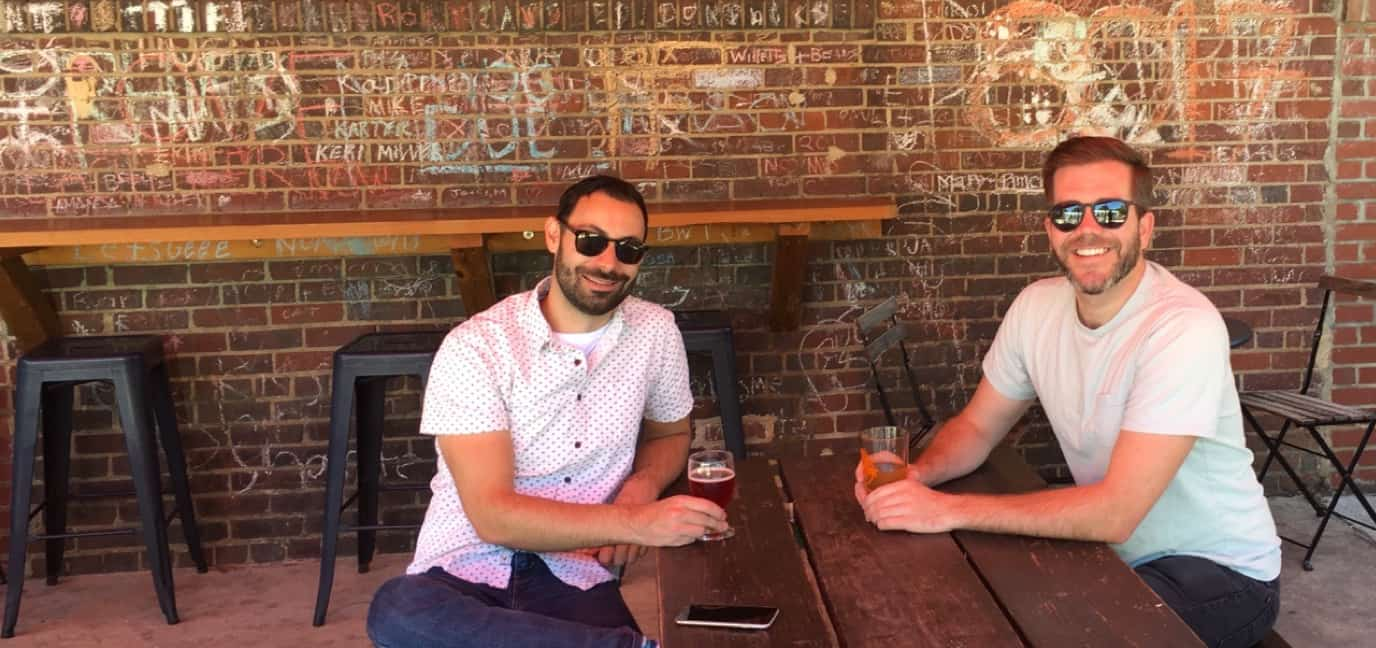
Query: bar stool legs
(371, 406)
(26, 410)
(44, 397)
(143, 465)
(728, 401)
(341, 407)
(709, 331)
(57, 445)
(358, 389)
(171, 442)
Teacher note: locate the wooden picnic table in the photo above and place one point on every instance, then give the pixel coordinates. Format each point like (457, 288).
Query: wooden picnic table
(838, 581)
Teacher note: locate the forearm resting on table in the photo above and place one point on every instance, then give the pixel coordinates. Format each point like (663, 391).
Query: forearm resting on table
(1140, 469)
(483, 469)
(531, 523)
(1089, 512)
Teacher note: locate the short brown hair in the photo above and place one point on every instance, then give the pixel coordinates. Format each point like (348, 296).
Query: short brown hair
(1085, 150)
(613, 186)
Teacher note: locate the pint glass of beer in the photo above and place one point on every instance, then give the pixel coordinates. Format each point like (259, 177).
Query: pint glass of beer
(883, 455)
(712, 476)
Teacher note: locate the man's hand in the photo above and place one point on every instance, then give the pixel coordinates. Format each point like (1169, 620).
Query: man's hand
(905, 505)
(675, 521)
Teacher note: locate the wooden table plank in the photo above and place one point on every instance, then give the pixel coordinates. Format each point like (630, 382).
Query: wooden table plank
(888, 589)
(1061, 592)
(762, 565)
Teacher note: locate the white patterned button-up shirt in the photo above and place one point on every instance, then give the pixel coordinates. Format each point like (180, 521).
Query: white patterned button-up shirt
(574, 420)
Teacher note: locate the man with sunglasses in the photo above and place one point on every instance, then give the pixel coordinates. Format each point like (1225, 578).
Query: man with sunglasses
(559, 416)
(1131, 367)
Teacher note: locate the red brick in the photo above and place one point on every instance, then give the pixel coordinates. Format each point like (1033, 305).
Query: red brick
(1353, 150)
(1214, 257)
(1356, 190)
(229, 271)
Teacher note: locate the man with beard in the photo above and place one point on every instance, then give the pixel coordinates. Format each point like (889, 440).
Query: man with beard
(1131, 367)
(559, 416)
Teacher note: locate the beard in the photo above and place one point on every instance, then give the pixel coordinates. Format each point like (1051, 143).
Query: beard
(586, 301)
(1127, 260)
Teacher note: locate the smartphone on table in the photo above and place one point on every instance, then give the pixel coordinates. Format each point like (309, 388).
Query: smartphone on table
(750, 617)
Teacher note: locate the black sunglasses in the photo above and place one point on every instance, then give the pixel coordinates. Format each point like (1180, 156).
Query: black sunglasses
(1109, 213)
(590, 244)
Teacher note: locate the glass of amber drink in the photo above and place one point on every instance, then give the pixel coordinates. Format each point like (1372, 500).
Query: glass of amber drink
(712, 476)
(883, 455)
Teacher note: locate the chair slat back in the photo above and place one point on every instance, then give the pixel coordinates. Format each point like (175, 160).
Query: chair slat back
(877, 316)
(1357, 287)
(880, 331)
(1331, 284)
(887, 340)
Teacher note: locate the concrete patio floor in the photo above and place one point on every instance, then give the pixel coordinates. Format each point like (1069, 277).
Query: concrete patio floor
(269, 606)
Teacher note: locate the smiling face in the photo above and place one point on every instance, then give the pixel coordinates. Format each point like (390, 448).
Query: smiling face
(594, 286)
(1095, 259)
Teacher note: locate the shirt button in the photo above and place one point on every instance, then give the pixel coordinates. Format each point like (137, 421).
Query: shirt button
(580, 397)
(568, 480)
(577, 362)
(577, 444)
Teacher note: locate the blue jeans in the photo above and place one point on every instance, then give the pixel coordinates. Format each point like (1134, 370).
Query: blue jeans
(536, 610)
(1223, 607)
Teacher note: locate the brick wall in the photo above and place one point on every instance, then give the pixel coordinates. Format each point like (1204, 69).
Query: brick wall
(1256, 114)
(1354, 227)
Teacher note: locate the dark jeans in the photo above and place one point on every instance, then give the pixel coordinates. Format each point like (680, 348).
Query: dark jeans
(536, 610)
(1223, 607)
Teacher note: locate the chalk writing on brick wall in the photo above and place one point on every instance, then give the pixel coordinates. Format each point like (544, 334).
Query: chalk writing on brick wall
(239, 16)
(234, 117)
(1127, 70)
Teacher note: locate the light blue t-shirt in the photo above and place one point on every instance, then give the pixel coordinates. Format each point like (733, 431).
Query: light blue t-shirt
(1160, 366)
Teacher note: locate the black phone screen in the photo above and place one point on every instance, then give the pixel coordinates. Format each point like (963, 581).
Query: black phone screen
(742, 614)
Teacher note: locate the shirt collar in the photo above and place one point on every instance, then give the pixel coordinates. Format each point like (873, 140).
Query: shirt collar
(536, 327)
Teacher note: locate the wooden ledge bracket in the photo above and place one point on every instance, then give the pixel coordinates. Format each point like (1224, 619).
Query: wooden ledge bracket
(473, 272)
(28, 314)
(790, 269)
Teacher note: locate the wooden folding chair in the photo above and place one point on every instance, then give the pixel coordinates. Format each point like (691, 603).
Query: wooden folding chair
(881, 331)
(1311, 413)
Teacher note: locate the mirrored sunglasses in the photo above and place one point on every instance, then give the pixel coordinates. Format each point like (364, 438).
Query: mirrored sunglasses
(1109, 213)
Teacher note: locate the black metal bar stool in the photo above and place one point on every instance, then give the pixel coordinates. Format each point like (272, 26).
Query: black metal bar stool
(709, 331)
(46, 378)
(361, 370)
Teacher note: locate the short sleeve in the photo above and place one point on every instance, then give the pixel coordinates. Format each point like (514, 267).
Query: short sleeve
(670, 397)
(464, 392)
(1005, 365)
(1182, 376)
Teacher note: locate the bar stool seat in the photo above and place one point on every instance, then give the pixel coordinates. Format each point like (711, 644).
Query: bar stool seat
(134, 364)
(361, 370)
(709, 331)
(1239, 332)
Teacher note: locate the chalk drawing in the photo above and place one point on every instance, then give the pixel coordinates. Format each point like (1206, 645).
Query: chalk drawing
(1122, 70)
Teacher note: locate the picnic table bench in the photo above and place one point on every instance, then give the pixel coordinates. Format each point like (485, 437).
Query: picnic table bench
(844, 583)
(467, 234)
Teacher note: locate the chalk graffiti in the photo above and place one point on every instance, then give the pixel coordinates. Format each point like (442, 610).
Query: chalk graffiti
(1044, 70)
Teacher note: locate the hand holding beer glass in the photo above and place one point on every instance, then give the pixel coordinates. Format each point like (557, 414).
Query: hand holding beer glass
(883, 455)
(712, 476)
